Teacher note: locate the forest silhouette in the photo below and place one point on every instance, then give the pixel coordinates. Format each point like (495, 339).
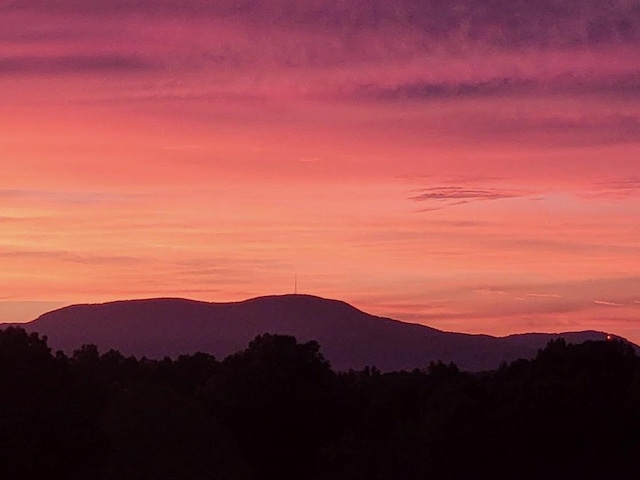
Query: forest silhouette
(277, 410)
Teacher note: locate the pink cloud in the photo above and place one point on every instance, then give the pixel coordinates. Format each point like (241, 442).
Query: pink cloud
(608, 304)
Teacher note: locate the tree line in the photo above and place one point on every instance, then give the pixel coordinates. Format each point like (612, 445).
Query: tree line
(277, 410)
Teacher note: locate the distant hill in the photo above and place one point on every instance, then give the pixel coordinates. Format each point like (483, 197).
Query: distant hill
(350, 338)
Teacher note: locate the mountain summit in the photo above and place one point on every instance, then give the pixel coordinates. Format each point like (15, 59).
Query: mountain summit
(350, 338)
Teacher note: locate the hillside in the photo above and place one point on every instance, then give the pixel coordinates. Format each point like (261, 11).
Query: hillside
(350, 338)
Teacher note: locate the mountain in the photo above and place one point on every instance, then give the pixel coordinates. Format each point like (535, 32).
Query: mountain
(350, 338)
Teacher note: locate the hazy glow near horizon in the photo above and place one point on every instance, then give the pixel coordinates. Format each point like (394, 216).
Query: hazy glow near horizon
(470, 166)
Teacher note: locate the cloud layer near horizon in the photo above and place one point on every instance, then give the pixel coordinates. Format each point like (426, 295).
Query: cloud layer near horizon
(395, 153)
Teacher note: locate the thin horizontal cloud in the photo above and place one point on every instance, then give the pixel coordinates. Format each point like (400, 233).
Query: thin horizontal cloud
(434, 90)
(570, 247)
(430, 89)
(71, 197)
(568, 294)
(491, 291)
(569, 129)
(454, 195)
(72, 64)
(38, 35)
(543, 295)
(71, 257)
(608, 304)
(620, 189)
(542, 315)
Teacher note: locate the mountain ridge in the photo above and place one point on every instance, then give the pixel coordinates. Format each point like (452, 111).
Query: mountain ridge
(350, 338)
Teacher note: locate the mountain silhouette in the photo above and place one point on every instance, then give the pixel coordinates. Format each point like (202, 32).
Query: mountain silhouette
(350, 338)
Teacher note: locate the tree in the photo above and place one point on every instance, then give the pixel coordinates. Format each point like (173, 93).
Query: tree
(277, 397)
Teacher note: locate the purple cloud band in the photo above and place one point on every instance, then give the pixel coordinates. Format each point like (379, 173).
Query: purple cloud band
(57, 65)
(500, 22)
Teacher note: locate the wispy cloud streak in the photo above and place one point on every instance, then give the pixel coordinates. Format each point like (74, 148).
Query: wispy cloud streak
(455, 195)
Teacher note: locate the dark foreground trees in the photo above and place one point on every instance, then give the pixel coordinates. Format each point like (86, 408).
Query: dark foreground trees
(277, 411)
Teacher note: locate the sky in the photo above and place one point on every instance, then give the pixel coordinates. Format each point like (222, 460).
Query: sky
(472, 165)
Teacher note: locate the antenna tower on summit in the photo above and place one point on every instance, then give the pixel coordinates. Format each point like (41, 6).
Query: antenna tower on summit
(295, 285)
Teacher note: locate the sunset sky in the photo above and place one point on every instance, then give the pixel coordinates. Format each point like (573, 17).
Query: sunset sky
(473, 165)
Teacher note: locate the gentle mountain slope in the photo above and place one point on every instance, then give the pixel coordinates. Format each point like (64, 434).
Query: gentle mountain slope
(349, 337)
